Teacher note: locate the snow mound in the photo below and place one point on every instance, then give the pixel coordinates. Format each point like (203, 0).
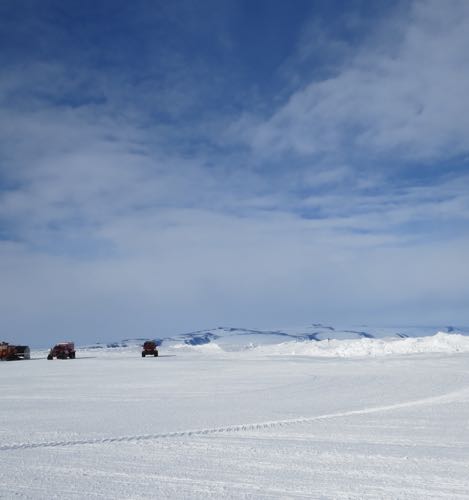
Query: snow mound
(315, 339)
(209, 348)
(439, 343)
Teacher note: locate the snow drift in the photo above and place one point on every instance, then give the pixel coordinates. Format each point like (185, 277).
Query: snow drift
(439, 343)
(314, 340)
(331, 348)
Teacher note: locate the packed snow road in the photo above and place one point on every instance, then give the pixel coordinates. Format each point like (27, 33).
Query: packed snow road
(235, 425)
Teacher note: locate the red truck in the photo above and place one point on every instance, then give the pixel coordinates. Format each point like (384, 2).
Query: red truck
(63, 350)
(149, 348)
(10, 352)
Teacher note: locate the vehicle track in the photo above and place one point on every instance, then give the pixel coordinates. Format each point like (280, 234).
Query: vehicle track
(445, 398)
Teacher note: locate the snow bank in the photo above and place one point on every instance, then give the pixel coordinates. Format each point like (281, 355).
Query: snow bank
(211, 348)
(439, 343)
(271, 345)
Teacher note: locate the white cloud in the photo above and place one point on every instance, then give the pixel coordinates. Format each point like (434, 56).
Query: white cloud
(404, 95)
(184, 270)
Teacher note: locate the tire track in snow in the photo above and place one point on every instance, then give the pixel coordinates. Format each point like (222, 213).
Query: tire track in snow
(445, 398)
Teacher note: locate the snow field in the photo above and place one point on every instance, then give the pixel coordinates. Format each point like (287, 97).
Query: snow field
(211, 424)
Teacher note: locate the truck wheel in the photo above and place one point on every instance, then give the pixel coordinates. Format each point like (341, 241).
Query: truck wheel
(49, 357)
(72, 355)
(156, 354)
(143, 354)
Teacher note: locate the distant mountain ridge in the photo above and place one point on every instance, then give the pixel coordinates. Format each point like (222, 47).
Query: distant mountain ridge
(234, 338)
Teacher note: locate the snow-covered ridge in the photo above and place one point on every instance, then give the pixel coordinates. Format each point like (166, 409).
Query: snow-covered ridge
(315, 340)
(439, 343)
(227, 337)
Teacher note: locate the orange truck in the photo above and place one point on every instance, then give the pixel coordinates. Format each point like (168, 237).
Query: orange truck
(149, 348)
(63, 350)
(10, 352)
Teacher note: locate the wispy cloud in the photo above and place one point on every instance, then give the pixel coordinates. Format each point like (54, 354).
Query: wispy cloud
(402, 95)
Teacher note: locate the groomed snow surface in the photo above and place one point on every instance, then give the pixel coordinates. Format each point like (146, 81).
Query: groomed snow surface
(342, 419)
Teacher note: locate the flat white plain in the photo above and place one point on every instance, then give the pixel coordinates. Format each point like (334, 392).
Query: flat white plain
(276, 421)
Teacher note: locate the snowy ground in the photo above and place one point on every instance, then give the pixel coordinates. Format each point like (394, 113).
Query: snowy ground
(269, 422)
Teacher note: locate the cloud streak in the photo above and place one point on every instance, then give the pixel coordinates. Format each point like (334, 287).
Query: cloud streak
(404, 95)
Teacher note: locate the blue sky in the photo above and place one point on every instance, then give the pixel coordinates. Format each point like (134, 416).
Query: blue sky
(171, 166)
